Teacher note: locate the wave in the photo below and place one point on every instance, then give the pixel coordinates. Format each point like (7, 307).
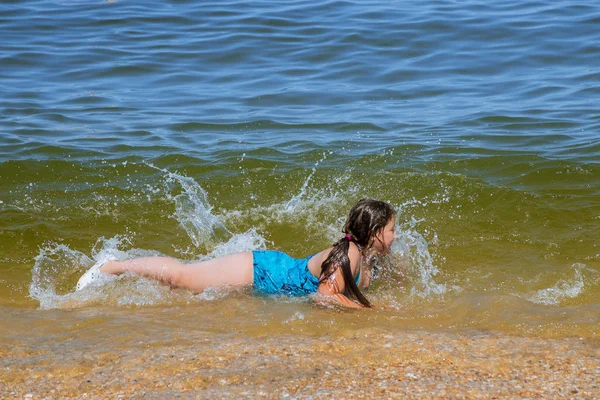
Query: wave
(276, 126)
(563, 289)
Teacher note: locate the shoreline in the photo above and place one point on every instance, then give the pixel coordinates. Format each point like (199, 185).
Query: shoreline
(366, 363)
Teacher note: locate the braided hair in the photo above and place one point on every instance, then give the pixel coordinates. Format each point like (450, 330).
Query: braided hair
(364, 221)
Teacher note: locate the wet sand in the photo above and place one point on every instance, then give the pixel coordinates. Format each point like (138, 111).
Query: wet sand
(367, 363)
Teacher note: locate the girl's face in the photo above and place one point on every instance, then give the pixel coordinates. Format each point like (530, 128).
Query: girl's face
(385, 237)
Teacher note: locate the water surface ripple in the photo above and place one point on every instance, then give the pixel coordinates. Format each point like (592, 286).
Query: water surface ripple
(74, 71)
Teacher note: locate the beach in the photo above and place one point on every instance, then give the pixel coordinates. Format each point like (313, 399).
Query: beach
(368, 364)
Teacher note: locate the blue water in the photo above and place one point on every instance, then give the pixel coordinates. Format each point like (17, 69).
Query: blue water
(96, 79)
(479, 121)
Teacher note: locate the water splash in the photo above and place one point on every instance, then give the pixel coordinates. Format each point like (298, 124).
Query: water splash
(292, 204)
(58, 267)
(412, 247)
(247, 241)
(563, 289)
(55, 267)
(193, 211)
(311, 208)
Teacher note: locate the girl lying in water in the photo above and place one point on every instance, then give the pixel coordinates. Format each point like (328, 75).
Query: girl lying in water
(340, 271)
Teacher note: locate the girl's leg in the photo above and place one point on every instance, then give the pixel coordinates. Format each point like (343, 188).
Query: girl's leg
(234, 269)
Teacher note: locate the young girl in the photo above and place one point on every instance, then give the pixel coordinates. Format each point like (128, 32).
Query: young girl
(340, 271)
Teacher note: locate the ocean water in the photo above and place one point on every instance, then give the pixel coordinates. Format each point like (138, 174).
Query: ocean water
(197, 129)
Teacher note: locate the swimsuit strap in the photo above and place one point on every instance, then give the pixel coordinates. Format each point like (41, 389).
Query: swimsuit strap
(360, 263)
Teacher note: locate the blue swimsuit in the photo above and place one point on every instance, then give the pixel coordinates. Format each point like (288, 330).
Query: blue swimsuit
(277, 273)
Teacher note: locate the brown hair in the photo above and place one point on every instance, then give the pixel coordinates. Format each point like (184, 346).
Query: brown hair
(364, 221)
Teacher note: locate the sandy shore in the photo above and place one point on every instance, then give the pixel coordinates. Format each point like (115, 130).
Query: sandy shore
(359, 364)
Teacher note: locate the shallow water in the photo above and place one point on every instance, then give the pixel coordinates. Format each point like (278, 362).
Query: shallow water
(195, 130)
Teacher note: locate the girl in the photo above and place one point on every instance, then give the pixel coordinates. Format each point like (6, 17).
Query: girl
(340, 271)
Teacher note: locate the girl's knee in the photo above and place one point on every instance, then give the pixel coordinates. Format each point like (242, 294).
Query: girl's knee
(176, 276)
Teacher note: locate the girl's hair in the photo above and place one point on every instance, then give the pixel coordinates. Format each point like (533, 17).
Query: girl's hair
(364, 221)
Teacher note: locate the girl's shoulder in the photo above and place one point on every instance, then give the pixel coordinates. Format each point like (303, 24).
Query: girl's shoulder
(354, 250)
(354, 254)
(315, 261)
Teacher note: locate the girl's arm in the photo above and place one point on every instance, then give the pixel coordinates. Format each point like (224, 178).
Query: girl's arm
(333, 287)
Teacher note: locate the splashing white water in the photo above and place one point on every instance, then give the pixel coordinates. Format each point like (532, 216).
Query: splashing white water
(292, 204)
(57, 267)
(563, 289)
(412, 246)
(247, 241)
(53, 267)
(194, 212)
(310, 207)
